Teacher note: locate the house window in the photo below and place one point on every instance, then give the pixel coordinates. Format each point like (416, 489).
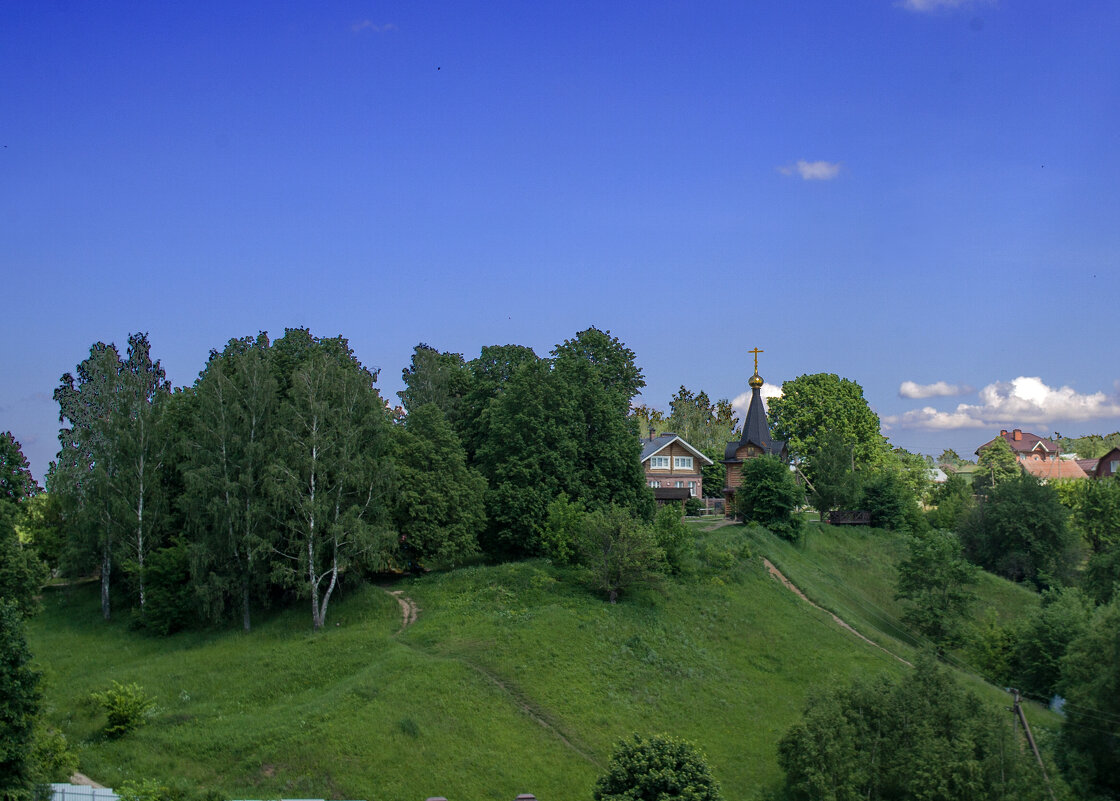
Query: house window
(655, 484)
(1114, 466)
(682, 462)
(692, 488)
(678, 485)
(659, 463)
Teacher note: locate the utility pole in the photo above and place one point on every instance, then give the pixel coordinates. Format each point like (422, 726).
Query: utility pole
(1022, 717)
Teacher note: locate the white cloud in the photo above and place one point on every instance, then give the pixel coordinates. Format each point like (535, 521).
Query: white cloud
(1024, 400)
(938, 389)
(370, 25)
(813, 170)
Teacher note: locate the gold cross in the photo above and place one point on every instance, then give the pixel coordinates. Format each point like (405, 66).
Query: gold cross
(756, 351)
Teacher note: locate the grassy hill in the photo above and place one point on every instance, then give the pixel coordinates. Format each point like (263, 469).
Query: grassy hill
(513, 679)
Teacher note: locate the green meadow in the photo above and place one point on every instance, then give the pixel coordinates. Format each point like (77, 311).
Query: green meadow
(514, 678)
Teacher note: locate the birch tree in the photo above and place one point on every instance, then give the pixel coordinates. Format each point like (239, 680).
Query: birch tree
(331, 480)
(85, 462)
(140, 448)
(229, 455)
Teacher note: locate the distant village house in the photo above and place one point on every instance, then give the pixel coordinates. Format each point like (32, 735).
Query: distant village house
(672, 468)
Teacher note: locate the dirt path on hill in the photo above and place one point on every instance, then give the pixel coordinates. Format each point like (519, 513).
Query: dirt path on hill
(409, 610)
(533, 713)
(842, 623)
(82, 779)
(409, 613)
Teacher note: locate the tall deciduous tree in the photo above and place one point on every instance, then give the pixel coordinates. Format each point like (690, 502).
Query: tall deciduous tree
(139, 445)
(1021, 531)
(813, 408)
(439, 509)
(997, 464)
(612, 362)
(86, 462)
(936, 583)
(1090, 741)
(434, 377)
(332, 475)
(232, 448)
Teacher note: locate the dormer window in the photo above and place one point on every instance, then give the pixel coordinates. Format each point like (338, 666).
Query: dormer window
(682, 462)
(659, 463)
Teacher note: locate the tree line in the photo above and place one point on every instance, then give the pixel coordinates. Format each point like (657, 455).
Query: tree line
(282, 470)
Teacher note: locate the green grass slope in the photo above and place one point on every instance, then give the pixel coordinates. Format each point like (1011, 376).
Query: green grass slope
(513, 679)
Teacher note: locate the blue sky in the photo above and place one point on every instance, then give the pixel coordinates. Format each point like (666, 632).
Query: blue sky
(920, 196)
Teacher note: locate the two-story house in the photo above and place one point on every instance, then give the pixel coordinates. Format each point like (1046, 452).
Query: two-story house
(672, 468)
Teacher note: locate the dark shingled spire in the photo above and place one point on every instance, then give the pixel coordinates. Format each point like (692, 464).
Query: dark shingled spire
(756, 431)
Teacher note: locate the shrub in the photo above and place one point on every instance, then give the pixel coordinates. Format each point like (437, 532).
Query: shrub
(126, 706)
(693, 506)
(657, 768)
(674, 539)
(768, 495)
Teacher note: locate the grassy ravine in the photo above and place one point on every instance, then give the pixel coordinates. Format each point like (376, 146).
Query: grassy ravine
(514, 679)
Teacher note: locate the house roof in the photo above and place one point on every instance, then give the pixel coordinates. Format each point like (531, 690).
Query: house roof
(1026, 443)
(755, 430)
(1088, 465)
(1050, 469)
(651, 447)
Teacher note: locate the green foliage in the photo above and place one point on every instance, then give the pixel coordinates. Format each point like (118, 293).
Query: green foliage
(768, 495)
(888, 498)
(619, 551)
(923, 737)
(813, 408)
(439, 508)
(1096, 511)
(692, 507)
(657, 768)
(1041, 641)
(951, 458)
(41, 527)
(19, 702)
(1090, 741)
(937, 584)
(1102, 576)
(610, 360)
(232, 443)
(433, 377)
(988, 646)
(331, 477)
(1093, 446)
(563, 530)
(674, 539)
(705, 425)
(561, 428)
(16, 482)
(951, 501)
(1021, 532)
(144, 790)
(126, 707)
(52, 759)
(997, 463)
(836, 485)
(172, 604)
(22, 572)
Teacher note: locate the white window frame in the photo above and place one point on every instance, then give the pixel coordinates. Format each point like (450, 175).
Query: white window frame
(692, 488)
(658, 463)
(682, 462)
